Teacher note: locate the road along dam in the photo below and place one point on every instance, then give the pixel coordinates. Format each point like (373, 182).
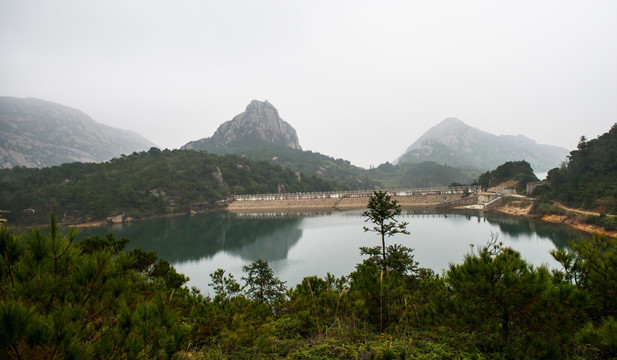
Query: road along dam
(426, 197)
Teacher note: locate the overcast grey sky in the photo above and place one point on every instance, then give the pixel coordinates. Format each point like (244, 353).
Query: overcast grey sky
(359, 80)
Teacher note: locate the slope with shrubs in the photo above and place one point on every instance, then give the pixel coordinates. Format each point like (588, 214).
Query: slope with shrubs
(348, 176)
(589, 179)
(142, 184)
(518, 171)
(417, 175)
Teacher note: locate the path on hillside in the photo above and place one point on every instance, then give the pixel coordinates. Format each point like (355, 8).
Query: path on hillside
(579, 211)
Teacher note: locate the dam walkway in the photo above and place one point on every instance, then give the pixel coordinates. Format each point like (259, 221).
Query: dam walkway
(451, 190)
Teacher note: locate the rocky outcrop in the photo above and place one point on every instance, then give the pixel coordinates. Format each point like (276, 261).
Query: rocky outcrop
(218, 176)
(259, 122)
(119, 219)
(38, 133)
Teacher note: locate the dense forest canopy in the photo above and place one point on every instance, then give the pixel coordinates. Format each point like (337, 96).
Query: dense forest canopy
(153, 182)
(348, 176)
(589, 178)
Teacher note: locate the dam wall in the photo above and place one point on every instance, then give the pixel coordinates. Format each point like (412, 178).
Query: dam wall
(342, 203)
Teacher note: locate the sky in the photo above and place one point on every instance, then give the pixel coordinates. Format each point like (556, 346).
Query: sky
(358, 80)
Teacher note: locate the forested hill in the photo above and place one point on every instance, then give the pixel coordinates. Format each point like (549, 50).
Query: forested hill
(513, 173)
(589, 179)
(143, 184)
(425, 174)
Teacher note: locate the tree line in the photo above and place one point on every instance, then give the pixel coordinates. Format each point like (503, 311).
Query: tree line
(588, 179)
(148, 183)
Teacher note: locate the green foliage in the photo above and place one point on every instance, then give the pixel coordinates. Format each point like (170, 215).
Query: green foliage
(592, 266)
(541, 191)
(261, 284)
(382, 212)
(61, 299)
(541, 207)
(485, 180)
(424, 174)
(316, 304)
(598, 273)
(225, 286)
(609, 223)
(507, 305)
(589, 179)
(142, 184)
(96, 243)
(383, 297)
(520, 171)
(347, 176)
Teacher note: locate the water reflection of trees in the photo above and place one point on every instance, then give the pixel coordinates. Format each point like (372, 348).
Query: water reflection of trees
(185, 238)
(558, 234)
(515, 227)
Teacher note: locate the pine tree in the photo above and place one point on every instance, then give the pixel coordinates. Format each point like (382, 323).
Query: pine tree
(382, 212)
(261, 284)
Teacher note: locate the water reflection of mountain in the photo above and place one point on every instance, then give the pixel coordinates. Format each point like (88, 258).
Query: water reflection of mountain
(184, 238)
(270, 235)
(270, 246)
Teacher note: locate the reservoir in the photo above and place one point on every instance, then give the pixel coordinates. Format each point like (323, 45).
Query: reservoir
(301, 244)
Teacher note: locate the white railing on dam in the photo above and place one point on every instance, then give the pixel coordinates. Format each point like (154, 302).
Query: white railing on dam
(355, 193)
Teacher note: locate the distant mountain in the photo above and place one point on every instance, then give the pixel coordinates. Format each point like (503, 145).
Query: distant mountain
(259, 125)
(38, 133)
(454, 143)
(259, 133)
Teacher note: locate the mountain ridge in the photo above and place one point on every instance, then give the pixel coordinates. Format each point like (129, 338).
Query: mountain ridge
(40, 133)
(452, 142)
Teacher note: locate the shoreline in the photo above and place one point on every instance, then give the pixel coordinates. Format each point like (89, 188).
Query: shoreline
(515, 211)
(426, 201)
(285, 205)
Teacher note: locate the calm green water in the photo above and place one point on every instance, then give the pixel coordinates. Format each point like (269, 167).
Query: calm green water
(305, 244)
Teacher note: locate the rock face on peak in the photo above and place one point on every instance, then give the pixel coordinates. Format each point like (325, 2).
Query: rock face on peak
(454, 143)
(259, 123)
(38, 133)
(259, 133)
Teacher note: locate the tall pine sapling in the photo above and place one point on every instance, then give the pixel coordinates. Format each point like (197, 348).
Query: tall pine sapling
(382, 212)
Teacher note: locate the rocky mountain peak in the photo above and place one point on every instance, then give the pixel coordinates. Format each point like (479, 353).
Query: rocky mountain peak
(450, 121)
(260, 106)
(259, 122)
(450, 132)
